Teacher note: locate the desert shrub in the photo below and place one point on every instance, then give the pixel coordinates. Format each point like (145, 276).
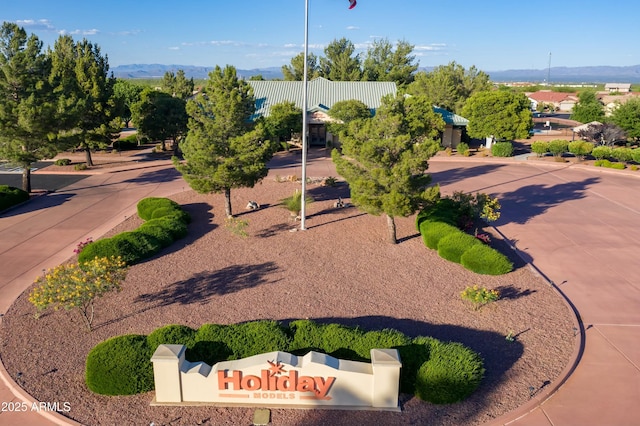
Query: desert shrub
(580, 148)
(147, 206)
(160, 233)
(10, 196)
(451, 374)
(173, 334)
(306, 334)
(463, 149)
(413, 356)
(452, 246)
(557, 147)
(609, 164)
(173, 224)
(485, 260)
(62, 162)
(622, 154)
(80, 166)
(636, 155)
(131, 246)
(444, 210)
(256, 337)
(432, 232)
(383, 339)
(502, 149)
(479, 296)
(540, 147)
(210, 345)
(617, 166)
(602, 152)
(120, 366)
(126, 144)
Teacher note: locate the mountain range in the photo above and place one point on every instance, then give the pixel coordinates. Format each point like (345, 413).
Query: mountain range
(592, 74)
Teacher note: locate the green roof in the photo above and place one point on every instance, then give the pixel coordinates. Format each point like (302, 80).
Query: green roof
(322, 93)
(451, 118)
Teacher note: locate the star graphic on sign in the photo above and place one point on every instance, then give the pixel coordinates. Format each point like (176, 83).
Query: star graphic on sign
(276, 368)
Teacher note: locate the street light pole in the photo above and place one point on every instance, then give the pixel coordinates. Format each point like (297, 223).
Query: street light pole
(305, 87)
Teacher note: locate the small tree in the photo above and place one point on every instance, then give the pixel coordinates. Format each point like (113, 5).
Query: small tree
(557, 147)
(284, 119)
(505, 115)
(588, 108)
(160, 116)
(75, 286)
(627, 117)
(580, 149)
(540, 147)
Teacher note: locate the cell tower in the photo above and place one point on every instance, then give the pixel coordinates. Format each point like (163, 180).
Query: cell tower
(549, 71)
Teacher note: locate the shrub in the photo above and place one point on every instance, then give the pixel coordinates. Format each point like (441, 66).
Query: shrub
(622, 154)
(450, 375)
(540, 147)
(463, 149)
(580, 148)
(601, 152)
(80, 166)
(120, 366)
(70, 286)
(126, 144)
(557, 147)
(294, 202)
(444, 210)
(11, 196)
(131, 246)
(502, 149)
(210, 345)
(636, 155)
(155, 230)
(256, 337)
(452, 246)
(617, 166)
(483, 259)
(147, 207)
(609, 164)
(172, 224)
(174, 334)
(432, 232)
(62, 162)
(479, 296)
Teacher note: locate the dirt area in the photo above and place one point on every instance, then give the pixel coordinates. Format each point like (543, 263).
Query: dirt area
(340, 270)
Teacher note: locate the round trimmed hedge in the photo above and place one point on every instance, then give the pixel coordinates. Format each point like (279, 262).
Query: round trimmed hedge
(439, 372)
(453, 245)
(147, 206)
(432, 232)
(482, 259)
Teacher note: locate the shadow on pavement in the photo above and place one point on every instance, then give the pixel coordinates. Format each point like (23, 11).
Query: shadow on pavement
(451, 176)
(38, 203)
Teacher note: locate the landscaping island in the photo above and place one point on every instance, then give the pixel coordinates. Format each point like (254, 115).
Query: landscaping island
(340, 270)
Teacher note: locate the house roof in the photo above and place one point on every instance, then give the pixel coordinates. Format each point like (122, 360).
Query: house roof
(451, 118)
(322, 93)
(548, 96)
(613, 86)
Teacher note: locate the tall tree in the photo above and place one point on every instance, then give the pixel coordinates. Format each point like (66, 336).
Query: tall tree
(505, 115)
(449, 86)
(295, 71)
(344, 112)
(125, 94)
(383, 63)
(222, 149)
(340, 62)
(178, 85)
(627, 117)
(27, 109)
(384, 158)
(160, 116)
(80, 78)
(588, 108)
(284, 119)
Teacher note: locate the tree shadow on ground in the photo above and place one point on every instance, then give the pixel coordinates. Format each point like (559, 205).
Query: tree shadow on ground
(201, 287)
(157, 176)
(498, 353)
(451, 176)
(325, 193)
(530, 201)
(512, 293)
(41, 202)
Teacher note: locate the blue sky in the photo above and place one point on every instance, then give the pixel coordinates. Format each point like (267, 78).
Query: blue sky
(492, 35)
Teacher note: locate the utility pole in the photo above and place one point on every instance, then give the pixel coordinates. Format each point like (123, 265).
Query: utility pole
(549, 71)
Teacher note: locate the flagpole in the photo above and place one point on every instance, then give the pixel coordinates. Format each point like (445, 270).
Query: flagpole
(305, 87)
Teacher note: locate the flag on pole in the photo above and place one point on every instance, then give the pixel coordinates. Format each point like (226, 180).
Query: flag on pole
(352, 4)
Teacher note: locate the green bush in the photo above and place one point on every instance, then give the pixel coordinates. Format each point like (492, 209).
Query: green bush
(485, 260)
(147, 206)
(126, 144)
(132, 246)
(636, 155)
(445, 210)
(601, 152)
(622, 154)
(172, 224)
(618, 166)
(580, 148)
(557, 147)
(502, 149)
(609, 164)
(120, 366)
(80, 166)
(463, 149)
(173, 334)
(155, 230)
(62, 162)
(10, 196)
(540, 147)
(451, 374)
(432, 232)
(452, 246)
(256, 337)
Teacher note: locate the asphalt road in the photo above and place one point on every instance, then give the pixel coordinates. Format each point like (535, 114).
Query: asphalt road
(40, 181)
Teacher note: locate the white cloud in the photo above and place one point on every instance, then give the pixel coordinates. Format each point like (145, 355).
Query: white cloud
(352, 28)
(39, 24)
(173, 48)
(431, 47)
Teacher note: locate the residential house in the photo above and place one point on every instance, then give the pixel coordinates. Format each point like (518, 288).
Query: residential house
(559, 100)
(611, 102)
(617, 87)
(323, 94)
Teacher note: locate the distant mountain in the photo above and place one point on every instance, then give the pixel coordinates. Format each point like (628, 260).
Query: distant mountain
(595, 74)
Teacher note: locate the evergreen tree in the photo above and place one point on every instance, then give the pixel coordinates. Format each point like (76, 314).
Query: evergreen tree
(222, 149)
(295, 71)
(160, 116)
(340, 62)
(178, 85)
(383, 63)
(384, 158)
(27, 109)
(588, 108)
(505, 115)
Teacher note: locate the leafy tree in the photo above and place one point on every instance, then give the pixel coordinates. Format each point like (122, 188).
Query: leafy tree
(345, 112)
(340, 62)
(602, 133)
(627, 117)
(449, 86)
(505, 115)
(284, 119)
(81, 82)
(295, 71)
(580, 149)
(384, 158)
(160, 116)
(257, 77)
(125, 95)
(383, 63)
(222, 150)
(27, 108)
(178, 85)
(588, 108)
